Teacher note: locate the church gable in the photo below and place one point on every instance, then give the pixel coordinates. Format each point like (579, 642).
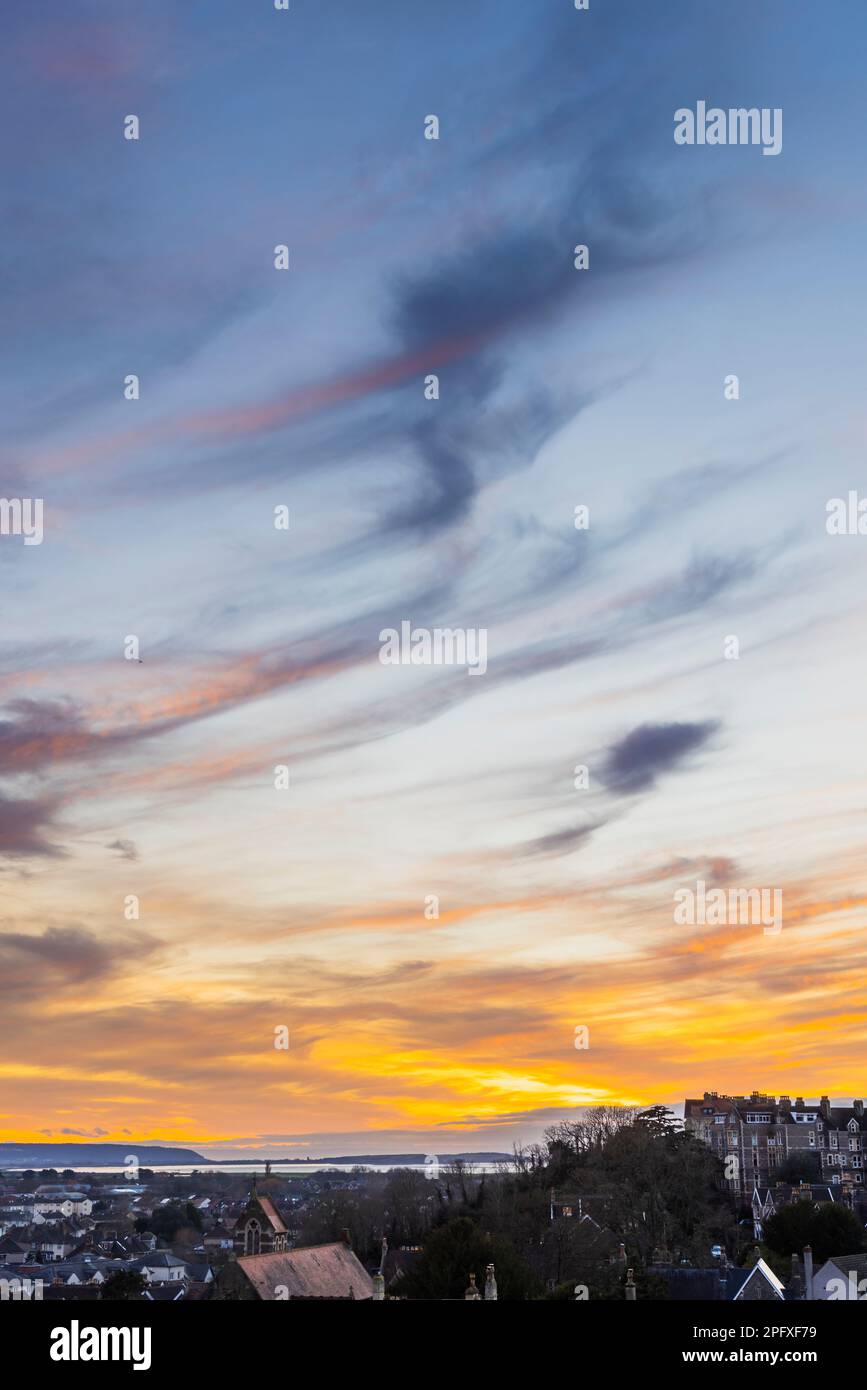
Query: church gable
(259, 1229)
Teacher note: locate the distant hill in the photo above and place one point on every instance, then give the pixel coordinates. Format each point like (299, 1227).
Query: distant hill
(360, 1160)
(92, 1155)
(155, 1155)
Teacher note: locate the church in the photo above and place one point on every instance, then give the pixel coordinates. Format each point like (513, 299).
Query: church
(259, 1229)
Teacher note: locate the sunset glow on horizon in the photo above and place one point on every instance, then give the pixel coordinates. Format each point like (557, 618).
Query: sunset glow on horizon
(430, 899)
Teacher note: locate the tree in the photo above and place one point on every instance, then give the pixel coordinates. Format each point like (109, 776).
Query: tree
(123, 1286)
(455, 1251)
(167, 1221)
(410, 1205)
(658, 1121)
(805, 1165)
(336, 1211)
(830, 1229)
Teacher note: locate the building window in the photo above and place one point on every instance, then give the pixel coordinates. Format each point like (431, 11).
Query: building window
(252, 1238)
(758, 1119)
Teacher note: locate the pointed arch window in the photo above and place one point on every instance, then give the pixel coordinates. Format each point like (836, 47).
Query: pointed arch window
(252, 1237)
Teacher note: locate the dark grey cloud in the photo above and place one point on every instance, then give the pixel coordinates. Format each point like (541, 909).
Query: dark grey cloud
(33, 965)
(560, 841)
(635, 763)
(125, 848)
(704, 579)
(24, 827)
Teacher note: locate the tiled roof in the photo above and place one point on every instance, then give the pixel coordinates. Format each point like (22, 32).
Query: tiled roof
(158, 1259)
(847, 1263)
(270, 1211)
(314, 1271)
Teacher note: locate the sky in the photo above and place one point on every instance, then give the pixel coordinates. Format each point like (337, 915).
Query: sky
(431, 907)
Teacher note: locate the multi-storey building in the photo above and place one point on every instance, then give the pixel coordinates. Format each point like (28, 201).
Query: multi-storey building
(762, 1132)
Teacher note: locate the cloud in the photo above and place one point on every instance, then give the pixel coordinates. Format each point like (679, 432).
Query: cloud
(22, 827)
(60, 958)
(634, 764)
(125, 848)
(561, 841)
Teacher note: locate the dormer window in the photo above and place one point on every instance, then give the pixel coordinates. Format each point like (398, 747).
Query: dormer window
(758, 1119)
(852, 1126)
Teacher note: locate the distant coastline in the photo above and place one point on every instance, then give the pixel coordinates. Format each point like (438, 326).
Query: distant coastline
(80, 1156)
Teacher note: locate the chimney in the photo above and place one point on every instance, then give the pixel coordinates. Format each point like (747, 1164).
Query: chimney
(808, 1272)
(346, 1237)
(785, 1104)
(629, 1291)
(795, 1291)
(858, 1107)
(378, 1288)
(621, 1254)
(490, 1284)
(799, 1102)
(471, 1292)
(825, 1108)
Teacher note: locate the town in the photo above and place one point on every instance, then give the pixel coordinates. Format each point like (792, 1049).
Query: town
(746, 1198)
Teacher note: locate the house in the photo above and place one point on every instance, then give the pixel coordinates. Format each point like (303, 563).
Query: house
(767, 1201)
(66, 1203)
(53, 1243)
(259, 1229)
(14, 1286)
(315, 1272)
(760, 1286)
(841, 1277)
(724, 1283)
(159, 1267)
(164, 1293)
(218, 1238)
(11, 1252)
(83, 1269)
(755, 1135)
